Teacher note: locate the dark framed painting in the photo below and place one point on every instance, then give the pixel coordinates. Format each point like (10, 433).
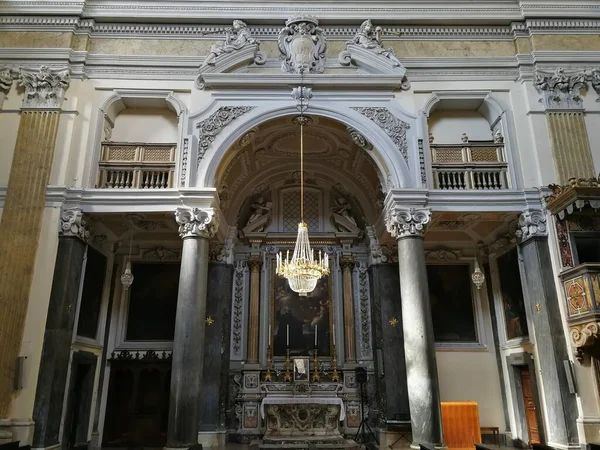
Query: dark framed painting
(452, 308)
(513, 304)
(153, 302)
(297, 317)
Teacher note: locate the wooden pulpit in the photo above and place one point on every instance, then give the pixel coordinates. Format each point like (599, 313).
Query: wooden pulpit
(461, 425)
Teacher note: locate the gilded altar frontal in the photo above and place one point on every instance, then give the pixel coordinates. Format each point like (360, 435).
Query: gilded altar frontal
(275, 225)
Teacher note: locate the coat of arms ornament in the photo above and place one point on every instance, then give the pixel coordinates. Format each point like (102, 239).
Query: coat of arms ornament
(302, 45)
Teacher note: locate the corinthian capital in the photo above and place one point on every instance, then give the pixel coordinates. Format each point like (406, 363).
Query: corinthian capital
(407, 222)
(196, 222)
(72, 223)
(532, 223)
(44, 88)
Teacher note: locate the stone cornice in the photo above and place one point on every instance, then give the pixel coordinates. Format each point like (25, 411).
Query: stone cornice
(139, 28)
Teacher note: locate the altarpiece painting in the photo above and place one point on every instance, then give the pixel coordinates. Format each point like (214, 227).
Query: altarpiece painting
(452, 303)
(512, 296)
(301, 315)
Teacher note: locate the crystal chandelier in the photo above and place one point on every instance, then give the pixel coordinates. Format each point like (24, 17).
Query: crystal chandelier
(303, 270)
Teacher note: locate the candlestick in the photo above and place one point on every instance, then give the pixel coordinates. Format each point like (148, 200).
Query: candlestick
(287, 376)
(316, 338)
(315, 376)
(335, 376)
(288, 335)
(268, 375)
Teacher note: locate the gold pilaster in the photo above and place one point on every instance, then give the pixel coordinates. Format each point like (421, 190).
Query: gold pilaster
(23, 210)
(255, 265)
(570, 145)
(349, 341)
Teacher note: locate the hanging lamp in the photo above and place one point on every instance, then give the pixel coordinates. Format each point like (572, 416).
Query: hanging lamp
(127, 276)
(303, 271)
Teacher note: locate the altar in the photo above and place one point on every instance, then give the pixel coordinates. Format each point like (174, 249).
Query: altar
(303, 419)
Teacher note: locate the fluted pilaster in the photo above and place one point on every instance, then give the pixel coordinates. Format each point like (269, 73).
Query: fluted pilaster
(349, 338)
(23, 209)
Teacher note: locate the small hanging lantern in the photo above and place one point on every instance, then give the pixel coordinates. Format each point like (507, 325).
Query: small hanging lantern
(477, 276)
(127, 276)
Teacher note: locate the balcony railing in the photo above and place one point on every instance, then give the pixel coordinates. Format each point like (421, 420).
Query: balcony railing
(470, 165)
(136, 166)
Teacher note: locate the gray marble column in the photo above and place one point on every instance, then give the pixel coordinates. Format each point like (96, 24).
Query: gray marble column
(408, 227)
(543, 312)
(56, 350)
(196, 226)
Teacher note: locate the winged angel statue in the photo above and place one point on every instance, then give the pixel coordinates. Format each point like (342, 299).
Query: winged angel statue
(302, 45)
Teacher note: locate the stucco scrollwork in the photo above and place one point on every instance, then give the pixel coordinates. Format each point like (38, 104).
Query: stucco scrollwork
(214, 124)
(560, 91)
(302, 45)
(395, 128)
(407, 222)
(196, 222)
(532, 223)
(72, 223)
(359, 139)
(44, 88)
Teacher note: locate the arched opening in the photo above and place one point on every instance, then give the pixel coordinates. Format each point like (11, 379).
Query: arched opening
(466, 141)
(139, 140)
(263, 166)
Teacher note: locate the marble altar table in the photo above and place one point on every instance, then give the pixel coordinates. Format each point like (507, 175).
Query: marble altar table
(302, 419)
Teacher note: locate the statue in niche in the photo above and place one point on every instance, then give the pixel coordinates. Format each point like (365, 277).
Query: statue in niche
(259, 216)
(370, 38)
(236, 38)
(342, 217)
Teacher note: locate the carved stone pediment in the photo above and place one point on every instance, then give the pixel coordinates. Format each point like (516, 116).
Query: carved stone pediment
(366, 51)
(239, 49)
(302, 45)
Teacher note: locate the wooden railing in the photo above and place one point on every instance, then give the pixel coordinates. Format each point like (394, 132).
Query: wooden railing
(470, 165)
(125, 165)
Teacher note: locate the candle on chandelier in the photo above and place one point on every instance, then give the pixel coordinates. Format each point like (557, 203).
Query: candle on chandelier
(316, 336)
(288, 335)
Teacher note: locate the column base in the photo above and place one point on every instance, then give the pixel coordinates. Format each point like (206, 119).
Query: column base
(12, 430)
(212, 439)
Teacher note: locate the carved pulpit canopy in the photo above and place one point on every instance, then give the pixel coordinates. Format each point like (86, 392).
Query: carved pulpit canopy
(577, 194)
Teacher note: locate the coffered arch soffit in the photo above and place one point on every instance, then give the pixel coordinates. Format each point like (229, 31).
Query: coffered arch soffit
(391, 168)
(268, 156)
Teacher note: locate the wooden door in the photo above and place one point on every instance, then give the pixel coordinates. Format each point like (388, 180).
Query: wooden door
(530, 412)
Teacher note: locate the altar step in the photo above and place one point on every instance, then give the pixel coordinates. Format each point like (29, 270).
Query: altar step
(348, 445)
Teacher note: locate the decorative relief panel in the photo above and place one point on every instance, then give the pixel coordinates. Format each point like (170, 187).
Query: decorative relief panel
(214, 124)
(362, 305)
(237, 316)
(395, 128)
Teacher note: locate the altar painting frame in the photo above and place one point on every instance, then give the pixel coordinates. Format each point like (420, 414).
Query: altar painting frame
(299, 376)
(480, 341)
(278, 286)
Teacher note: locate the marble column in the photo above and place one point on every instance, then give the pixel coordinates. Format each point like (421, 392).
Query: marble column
(408, 227)
(56, 350)
(253, 312)
(196, 226)
(547, 331)
(216, 354)
(349, 339)
(565, 118)
(23, 210)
